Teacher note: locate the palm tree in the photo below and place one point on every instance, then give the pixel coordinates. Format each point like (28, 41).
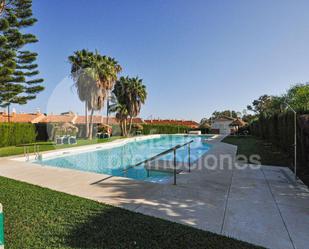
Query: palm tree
(104, 72)
(120, 107)
(121, 116)
(94, 76)
(136, 97)
(131, 93)
(79, 61)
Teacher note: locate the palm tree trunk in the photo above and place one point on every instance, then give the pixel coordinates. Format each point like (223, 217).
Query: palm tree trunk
(86, 120)
(125, 127)
(121, 127)
(91, 125)
(130, 126)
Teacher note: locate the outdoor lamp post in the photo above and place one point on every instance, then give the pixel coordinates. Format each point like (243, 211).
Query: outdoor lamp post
(295, 138)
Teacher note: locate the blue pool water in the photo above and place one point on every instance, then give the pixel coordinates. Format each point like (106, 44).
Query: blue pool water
(114, 160)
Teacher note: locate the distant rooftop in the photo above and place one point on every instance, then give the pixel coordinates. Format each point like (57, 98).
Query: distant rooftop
(71, 117)
(21, 118)
(66, 117)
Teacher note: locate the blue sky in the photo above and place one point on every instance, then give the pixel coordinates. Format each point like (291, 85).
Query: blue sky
(194, 56)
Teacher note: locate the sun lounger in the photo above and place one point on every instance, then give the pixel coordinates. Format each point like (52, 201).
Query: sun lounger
(72, 140)
(66, 139)
(59, 140)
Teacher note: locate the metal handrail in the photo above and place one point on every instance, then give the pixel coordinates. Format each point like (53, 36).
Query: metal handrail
(26, 152)
(36, 151)
(173, 149)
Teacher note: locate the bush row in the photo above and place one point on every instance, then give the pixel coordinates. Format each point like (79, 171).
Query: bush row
(279, 129)
(163, 129)
(16, 134)
(48, 132)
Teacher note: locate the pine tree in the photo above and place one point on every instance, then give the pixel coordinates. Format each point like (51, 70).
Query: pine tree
(18, 69)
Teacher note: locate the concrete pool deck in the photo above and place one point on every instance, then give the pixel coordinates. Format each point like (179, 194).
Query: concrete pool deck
(262, 206)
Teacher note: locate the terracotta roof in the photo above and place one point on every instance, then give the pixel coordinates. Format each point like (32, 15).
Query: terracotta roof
(58, 119)
(95, 120)
(61, 118)
(137, 121)
(103, 120)
(22, 118)
(189, 123)
(111, 120)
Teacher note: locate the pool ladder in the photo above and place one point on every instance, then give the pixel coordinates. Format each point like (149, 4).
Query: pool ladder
(36, 150)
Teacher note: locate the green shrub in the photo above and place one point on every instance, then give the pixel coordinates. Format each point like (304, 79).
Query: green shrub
(137, 127)
(16, 133)
(279, 129)
(116, 131)
(163, 129)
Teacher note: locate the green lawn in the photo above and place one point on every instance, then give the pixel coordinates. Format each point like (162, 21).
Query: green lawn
(45, 146)
(249, 145)
(40, 218)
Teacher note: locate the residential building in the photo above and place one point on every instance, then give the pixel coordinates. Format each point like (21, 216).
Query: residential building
(221, 125)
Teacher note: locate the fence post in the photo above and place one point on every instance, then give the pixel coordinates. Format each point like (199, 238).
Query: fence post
(147, 166)
(174, 166)
(1, 228)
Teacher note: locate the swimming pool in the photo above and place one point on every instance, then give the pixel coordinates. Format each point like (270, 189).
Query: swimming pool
(113, 161)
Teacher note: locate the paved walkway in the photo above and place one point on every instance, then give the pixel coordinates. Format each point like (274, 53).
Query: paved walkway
(262, 206)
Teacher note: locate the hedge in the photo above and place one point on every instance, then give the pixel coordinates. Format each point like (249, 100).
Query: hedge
(279, 129)
(16, 134)
(48, 132)
(163, 129)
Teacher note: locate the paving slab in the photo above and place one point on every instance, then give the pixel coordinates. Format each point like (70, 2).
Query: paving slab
(257, 222)
(297, 222)
(252, 213)
(196, 208)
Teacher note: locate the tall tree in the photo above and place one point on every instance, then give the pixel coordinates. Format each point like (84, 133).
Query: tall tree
(121, 109)
(205, 121)
(266, 105)
(298, 96)
(122, 116)
(130, 93)
(227, 113)
(79, 61)
(136, 96)
(18, 84)
(94, 75)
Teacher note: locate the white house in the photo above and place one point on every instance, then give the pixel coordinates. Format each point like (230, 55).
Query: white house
(221, 125)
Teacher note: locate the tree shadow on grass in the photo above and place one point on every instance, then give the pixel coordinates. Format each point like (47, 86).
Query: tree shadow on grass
(119, 228)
